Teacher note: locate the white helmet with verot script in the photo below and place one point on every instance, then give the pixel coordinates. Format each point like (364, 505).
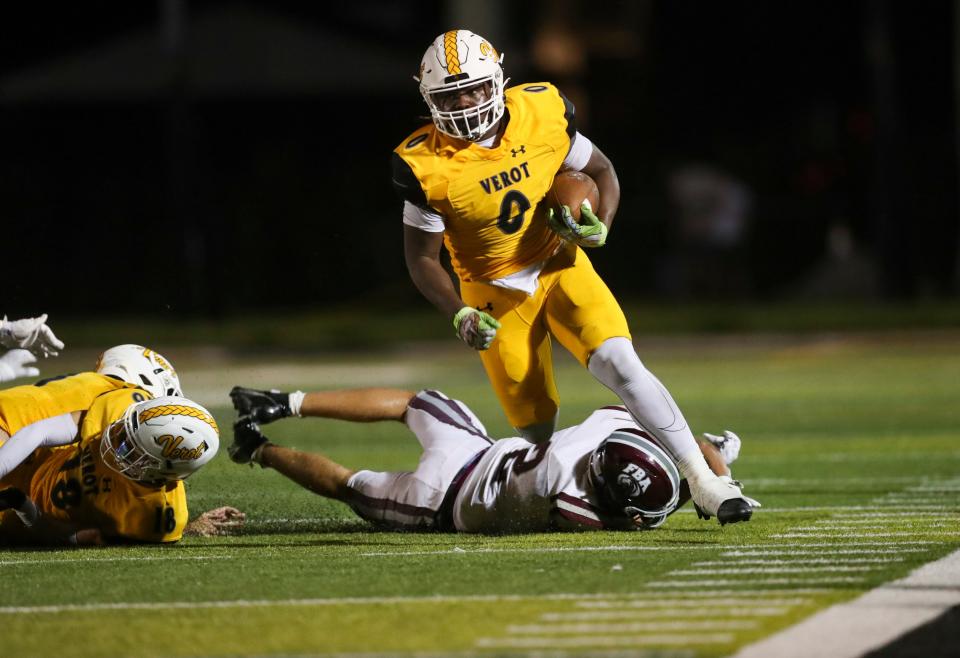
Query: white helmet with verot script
(458, 62)
(160, 440)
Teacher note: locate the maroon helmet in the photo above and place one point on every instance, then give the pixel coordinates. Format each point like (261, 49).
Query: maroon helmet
(634, 476)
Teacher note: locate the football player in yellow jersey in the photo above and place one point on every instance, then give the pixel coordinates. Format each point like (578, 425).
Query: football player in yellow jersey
(119, 480)
(26, 339)
(474, 180)
(121, 366)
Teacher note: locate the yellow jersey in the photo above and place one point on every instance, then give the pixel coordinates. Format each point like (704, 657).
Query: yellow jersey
(23, 405)
(73, 484)
(490, 198)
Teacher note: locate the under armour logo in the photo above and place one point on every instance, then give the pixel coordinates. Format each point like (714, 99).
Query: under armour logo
(522, 149)
(488, 308)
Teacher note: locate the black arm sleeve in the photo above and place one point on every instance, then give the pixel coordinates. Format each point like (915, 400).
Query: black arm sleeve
(405, 183)
(570, 114)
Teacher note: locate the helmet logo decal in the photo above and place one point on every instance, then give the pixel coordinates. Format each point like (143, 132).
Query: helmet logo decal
(487, 50)
(181, 410)
(172, 450)
(633, 481)
(452, 52)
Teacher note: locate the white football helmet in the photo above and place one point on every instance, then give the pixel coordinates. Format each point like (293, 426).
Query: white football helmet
(160, 440)
(142, 366)
(458, 62)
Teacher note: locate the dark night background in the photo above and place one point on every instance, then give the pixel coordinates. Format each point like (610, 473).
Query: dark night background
(214, 159)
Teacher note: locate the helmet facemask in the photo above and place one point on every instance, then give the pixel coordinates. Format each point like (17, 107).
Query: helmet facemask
(470, 123)
(122, 453)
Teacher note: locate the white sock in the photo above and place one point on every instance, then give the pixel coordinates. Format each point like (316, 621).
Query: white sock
(296, 401)
(616, 365)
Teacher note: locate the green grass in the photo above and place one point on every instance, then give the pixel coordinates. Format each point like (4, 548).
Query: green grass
(829, 424)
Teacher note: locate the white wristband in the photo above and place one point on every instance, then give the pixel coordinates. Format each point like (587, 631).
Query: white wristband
(296, 401)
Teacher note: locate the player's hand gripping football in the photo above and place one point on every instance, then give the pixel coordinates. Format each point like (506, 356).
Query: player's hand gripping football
(591, 232)
(31, 334)
(475, 328)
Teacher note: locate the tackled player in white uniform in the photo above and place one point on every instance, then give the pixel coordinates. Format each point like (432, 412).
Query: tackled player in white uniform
(605, 473)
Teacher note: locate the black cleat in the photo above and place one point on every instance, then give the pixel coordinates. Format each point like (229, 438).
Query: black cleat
(734, 511)
(263, 406)
(246, 439)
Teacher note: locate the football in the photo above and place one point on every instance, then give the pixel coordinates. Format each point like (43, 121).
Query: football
(571, 189)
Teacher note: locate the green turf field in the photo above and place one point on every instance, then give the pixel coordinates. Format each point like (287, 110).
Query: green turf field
(851, 443)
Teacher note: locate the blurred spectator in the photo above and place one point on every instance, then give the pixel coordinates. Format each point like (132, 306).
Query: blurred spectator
(711, 212)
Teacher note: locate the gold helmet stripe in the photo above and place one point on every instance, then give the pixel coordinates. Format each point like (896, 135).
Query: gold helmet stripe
(179, 410)
(452, 52)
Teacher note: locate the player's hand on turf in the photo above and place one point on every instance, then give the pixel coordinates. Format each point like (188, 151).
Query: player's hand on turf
(590, 232)
(13, 365)
(728, 445)
(219, 521)
(475, 328)
(30, 333)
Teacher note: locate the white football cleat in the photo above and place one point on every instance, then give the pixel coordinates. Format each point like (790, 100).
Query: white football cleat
(720, 496)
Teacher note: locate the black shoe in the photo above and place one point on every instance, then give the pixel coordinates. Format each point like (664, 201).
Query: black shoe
(263, 406)
(246, 439)
(734, 511)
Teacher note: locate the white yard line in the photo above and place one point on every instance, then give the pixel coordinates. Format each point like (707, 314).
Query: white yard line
(876, 521)
(838, 580)
(456, 550)
(802, 561)
(578, 598)
(634, 627)
(735, 571)
(850, 551)
(799, 535)
(658, 613)
(849, 630)
(731, 597)
(576, 642)
(127, 558)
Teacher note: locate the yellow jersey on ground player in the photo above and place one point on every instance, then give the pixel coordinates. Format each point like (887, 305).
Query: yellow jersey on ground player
(490, 197)
(24, 405)
(72, 484)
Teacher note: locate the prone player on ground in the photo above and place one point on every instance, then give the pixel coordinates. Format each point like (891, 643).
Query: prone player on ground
(474, 181)
(604, 473)
(78, 462)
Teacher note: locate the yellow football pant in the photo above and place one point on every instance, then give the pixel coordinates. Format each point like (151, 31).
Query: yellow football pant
(572, 303)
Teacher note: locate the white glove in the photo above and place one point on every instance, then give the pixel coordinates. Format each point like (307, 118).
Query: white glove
(728, 445)
(13, 365)
(30, 333)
